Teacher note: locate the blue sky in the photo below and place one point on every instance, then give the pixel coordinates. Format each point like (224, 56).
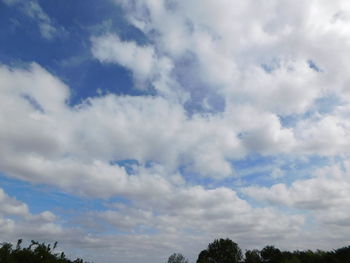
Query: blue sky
(130, 130)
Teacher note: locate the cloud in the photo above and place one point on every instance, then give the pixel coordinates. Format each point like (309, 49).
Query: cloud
(327, 190)
(262, 63)
(231, 81)
(227, 54)
(16, 221)
(205, 214)
(324, 198)
(147, 67)
(86, 138)
(146, 222)
(79, 150)
(327, 134)
(140, 59)
(81, 142)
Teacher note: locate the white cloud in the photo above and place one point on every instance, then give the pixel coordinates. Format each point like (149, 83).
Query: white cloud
(197, 213)
(80, 142)
(325, 199)
(230, 46)
(84, 139)
(140, 59)
(327, 135)
(16, 221)
(264, 62)
(184, 219)
(12, 206)
(328, 189)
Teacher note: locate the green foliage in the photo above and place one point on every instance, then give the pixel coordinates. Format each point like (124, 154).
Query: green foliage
(227, 251)
(252, 256)
(221, 251)
(35, 253)
(343, 254)
(293, 259)
(270, 254)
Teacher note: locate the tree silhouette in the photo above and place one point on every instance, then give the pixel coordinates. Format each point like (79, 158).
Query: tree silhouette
(177, 258)
(343, 254)
(270, 254)
(221, 251)
(35, 253)
(252, 256)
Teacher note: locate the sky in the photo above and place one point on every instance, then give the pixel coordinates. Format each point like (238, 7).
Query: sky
(133, 129)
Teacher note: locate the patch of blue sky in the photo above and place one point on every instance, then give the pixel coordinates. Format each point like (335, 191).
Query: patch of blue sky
(68, 56)
(274, 63)
(253, 166)
(92, 18)
(19, 37)
(128, 164)
(327, 104)
(193, 178)
(314, 66)
(210, 103)
(271, 66)
(72, 210)
(322, 105)
(289, 121)
(92, 79)
(260, 170)
(255, 169)
(303, 168)
(203, 97)
(40, 198)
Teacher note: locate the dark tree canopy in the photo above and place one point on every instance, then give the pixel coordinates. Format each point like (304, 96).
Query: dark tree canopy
(252, 256)
(34, 253)
(177, 258)
(221, 251)
(227, 251)
(270, 254)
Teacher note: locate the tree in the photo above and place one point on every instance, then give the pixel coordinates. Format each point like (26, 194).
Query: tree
(177, 258)
(270, 254)
(252, 256)
(203, 257)
(292, 260)
(35, 253)
(343, 254)
(221, 251)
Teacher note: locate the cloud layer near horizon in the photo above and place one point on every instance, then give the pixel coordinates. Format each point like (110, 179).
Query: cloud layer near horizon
(221, 84)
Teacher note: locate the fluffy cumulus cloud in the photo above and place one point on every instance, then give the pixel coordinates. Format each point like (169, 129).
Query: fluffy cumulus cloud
(324, 196)
(221, 83)
(327, 189)
(140, 60)
(16, 220)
